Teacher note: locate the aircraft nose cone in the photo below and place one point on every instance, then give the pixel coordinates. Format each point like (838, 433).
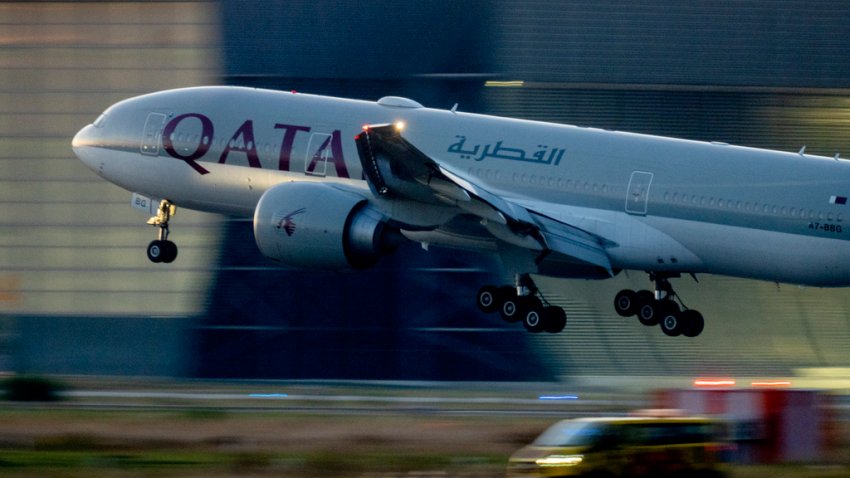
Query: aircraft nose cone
(82, 144)
(84, 137)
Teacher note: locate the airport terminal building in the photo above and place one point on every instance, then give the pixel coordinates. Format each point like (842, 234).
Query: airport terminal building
(78, 295)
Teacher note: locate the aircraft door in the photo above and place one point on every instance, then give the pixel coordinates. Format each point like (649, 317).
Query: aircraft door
(318, 151)
(152, 135)
(637, 196)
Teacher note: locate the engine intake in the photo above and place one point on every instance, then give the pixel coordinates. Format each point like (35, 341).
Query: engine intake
(319, 226)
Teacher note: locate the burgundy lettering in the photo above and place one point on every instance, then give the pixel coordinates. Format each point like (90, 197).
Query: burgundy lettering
(335, 143)
(247, 145)
(289, 132)
(203, 146)
(338, 159)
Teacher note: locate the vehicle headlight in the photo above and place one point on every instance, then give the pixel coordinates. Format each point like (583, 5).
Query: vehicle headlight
(560, 460)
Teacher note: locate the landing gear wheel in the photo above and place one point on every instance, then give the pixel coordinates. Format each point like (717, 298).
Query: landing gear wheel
(488, 298)
(531, 312)
(162, 251)
(672, 323)
(509, 305)
(661, 307)
(521, 302)
(555, 319)
(626, 303)
(155, 251)
(169, 252)
(648, 310)
(693, 323)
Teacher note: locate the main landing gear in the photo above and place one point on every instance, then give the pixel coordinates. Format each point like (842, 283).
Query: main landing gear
(521, 303)
(162, 250)
(660, 309)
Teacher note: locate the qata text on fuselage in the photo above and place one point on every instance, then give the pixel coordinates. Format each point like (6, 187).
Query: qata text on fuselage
(242, 141)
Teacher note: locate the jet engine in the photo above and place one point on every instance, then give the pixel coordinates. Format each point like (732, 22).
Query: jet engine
(315, 225)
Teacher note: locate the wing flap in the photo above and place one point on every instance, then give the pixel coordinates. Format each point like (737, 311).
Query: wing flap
(574, 242)
(395, 167)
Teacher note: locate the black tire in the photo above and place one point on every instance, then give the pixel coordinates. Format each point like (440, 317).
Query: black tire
(170, 252)
(672, 323)
(156, 251)
(694, 323)
(644, 295)
(488, 299)
(556, 319)
(509, 308)
(626, 303)
(531, 312)
(649, 309)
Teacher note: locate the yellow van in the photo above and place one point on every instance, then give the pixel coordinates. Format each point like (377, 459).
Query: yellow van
(623, 446)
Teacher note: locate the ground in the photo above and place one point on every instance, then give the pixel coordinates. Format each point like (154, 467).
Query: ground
(311, 431)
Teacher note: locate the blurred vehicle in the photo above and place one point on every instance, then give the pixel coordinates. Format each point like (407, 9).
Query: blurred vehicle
(623, 446)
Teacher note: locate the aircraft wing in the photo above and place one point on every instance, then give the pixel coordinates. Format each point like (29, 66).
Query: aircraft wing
(396, 168)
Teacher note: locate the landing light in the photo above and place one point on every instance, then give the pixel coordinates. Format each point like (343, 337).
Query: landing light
(399, 126)
(560, 460)
(771, 383)
(714, 382)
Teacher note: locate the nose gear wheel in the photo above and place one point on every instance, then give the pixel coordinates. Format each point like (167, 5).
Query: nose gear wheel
(161, 249)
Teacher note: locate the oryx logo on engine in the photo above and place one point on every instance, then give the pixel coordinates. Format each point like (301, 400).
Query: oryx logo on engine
(287, 224)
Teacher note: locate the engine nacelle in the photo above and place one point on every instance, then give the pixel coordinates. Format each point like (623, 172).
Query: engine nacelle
(319, 226)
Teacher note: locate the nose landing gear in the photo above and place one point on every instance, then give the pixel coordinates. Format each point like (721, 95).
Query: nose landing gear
(660, 309)
(161, 249)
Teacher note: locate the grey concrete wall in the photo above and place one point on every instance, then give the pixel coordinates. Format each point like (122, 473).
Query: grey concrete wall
(135, 346)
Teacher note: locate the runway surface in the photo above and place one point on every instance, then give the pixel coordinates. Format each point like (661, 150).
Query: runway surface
(377, 398)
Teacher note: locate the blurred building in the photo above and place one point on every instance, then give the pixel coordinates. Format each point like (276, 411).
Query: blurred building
(69, 244)
(752, 73)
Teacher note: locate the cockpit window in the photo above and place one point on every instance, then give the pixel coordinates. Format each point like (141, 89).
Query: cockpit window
(98, 123)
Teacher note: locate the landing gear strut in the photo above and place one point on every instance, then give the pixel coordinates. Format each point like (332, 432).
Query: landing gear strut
(660, 308)
(162, 250)
(522, 302)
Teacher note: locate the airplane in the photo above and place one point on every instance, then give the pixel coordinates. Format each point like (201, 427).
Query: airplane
(339, 183)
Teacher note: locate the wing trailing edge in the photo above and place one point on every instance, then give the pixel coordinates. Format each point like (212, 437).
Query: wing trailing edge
(394, 167)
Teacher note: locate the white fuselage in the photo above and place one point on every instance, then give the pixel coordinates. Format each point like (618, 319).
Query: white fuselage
(663, 204)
